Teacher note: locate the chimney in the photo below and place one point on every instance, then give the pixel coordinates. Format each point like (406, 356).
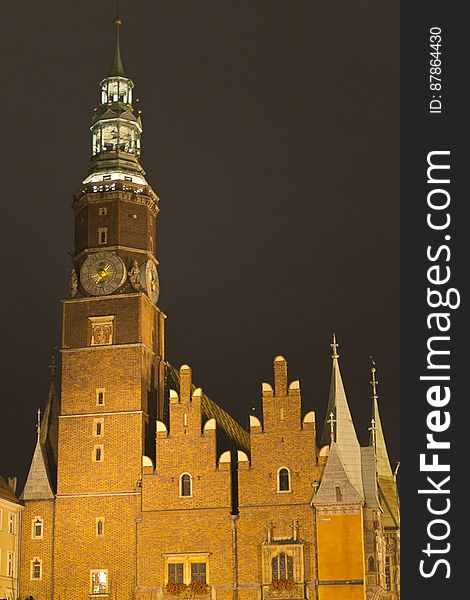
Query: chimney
(12, 482)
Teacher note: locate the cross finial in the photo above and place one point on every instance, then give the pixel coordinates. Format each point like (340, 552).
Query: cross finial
(373, 430)
(334, 346)
(374, 383)
(331, 422)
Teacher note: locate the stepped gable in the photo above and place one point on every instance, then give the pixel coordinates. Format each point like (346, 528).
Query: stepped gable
(230, 434)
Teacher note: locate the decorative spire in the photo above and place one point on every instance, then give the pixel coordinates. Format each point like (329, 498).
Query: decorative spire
(38, 424)
(117, 70)
(373, 424)
(52, 366)
(334, 346)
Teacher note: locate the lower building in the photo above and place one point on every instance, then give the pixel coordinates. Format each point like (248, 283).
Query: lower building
(10, 527)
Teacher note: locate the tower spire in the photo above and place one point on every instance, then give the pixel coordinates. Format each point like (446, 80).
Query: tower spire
(117, 70)
(339, 426)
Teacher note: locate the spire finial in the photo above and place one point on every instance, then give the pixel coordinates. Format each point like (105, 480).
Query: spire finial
(117, 70)
(52, 366)
(374, 383)
(331, 422)
(334, 346)
(38, 423)
(373, 424)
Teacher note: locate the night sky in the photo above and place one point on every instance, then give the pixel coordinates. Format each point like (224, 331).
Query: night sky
(271, 136)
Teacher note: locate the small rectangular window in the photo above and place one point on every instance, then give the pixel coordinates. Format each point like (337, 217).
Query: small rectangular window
(100, 396)
(10, 558)
(36, 569)
(100, 526)
(106, 177)
(11, 523)
(98, 453)
(175, 573)
(103, 235)
(102, 211)
(339, 495)
(37, 528)
(98, 427)
(127, 178)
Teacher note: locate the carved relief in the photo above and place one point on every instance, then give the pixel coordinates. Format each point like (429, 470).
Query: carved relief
(134, 275)
(102, 330)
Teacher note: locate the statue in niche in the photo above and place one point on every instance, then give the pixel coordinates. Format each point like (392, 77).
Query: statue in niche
(134, 275)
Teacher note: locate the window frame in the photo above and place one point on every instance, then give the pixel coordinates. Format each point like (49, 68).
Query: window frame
(11, 523)
(35, 560)
(102, 233)
(289, 481)
(99, 521)
(34, 521)
(187, 559)
(181, 495)
(99, 594)
(101, 391)
(97, 447)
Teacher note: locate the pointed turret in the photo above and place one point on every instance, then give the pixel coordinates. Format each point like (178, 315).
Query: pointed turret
(385, 477)
(339, 426)
(42, 476)
(38, 483)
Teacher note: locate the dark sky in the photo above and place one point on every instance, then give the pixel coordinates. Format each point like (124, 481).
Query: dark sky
(271, 136)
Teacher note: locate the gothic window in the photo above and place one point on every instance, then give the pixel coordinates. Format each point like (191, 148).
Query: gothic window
(37, 528)
(102, 235)
(186, 486)
(99, 581)
(282, 566)
(283, 480)
(36, 569)
(371, 564)
(175, 573)
(100, 526)
(198, 572)
(100, 397)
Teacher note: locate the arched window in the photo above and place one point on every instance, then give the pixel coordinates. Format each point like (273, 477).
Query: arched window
(99, 526)
(186, 487)
(371, 564)
(283, 480)
(282, 566)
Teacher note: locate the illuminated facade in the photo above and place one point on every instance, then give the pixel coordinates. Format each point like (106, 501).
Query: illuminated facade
(140, 485)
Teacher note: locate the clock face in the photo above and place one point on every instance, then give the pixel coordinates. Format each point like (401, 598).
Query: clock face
(149, 280)
(102, 273)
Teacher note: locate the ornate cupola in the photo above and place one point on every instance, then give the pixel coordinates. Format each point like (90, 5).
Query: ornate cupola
(116, 127)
